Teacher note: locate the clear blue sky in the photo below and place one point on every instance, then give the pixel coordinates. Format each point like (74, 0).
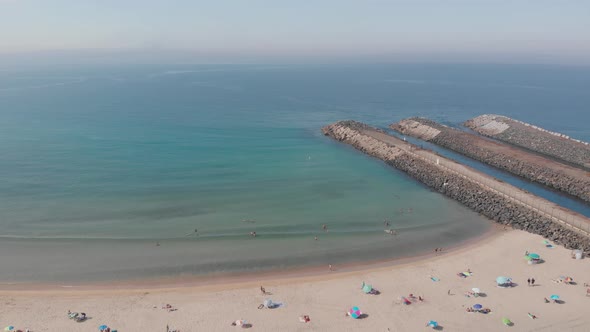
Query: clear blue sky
(501, 30)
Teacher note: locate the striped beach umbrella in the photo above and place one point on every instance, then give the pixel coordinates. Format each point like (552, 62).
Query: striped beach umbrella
(355, 312)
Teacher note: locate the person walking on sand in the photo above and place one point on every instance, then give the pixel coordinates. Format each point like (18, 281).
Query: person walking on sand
(528, 281)
(330, 267)
(263, 290)
(533, 282)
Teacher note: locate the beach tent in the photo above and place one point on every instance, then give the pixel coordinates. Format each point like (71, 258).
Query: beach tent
(476, 291)
(504, 281)
(577, 254)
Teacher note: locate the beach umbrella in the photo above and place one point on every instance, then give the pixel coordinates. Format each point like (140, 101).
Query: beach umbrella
(506, 321)
(367, 288)
(432, 323)
(503, 280)
(355, 312)
(240, 322)
(476, 290)
(555, 297)
(477, 306)
(9, 328)
(102, 327)
(268, 303)
(534, 256)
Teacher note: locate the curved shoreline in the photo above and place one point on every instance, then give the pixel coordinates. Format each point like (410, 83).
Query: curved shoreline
(241, 280)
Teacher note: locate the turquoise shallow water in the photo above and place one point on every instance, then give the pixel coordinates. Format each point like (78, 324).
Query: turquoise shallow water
(100, 163)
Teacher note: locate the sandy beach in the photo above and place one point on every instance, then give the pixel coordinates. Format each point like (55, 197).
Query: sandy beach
(326, 297)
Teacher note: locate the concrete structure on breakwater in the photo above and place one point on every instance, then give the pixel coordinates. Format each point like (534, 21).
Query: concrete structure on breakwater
(497, 200)
(533, 167)
(533, 138)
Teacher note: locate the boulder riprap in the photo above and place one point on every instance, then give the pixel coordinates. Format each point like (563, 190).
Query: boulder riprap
(473, 195)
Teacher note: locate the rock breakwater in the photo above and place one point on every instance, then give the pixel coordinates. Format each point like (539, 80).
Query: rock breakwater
(553, 174)
(533, 138)
(473, 195)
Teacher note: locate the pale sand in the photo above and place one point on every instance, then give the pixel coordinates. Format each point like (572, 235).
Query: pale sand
(325, 298)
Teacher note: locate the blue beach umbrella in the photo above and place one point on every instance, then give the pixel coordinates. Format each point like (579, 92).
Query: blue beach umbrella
(534, 256)
(102, 327)
(503, 280)
(432, 323)
(477, 306)
(555, 297)
(9, 328)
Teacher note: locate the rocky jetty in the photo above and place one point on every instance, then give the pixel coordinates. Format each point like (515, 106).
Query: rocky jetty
(533, 138)
(533, 167)
(478, 198)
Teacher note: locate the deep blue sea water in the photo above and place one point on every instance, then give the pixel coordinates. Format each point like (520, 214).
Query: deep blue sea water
(100, 163)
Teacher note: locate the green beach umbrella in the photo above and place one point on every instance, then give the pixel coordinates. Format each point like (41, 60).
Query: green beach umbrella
(506, 321)
(367, 288)
(534, 256)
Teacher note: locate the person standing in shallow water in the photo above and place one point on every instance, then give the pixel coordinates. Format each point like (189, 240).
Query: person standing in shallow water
(324, 228)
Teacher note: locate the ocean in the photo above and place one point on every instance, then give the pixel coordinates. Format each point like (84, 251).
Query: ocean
(101, 163)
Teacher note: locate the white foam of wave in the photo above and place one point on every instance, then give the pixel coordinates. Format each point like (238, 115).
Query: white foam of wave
(43, 86)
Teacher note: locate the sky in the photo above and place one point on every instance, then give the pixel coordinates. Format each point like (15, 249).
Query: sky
(298, 30)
